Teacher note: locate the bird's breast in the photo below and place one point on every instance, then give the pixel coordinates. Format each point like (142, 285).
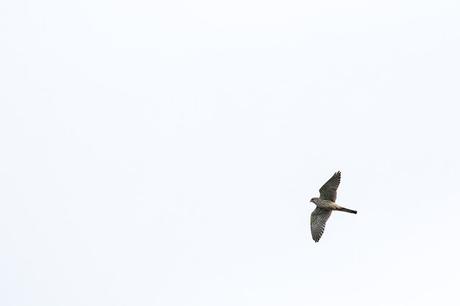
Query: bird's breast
(326, 204)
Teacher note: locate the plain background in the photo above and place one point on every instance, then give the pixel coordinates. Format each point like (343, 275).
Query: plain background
(164, 152)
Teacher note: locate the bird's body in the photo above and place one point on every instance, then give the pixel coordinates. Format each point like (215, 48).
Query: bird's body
(325, 204)
(329, 205)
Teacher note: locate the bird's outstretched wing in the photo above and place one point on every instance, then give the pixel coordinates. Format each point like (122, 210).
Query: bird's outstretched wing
(329, 189)
(318, 222)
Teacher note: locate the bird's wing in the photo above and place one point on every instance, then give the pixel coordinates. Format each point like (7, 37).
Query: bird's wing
(318, 222)
(329, 189)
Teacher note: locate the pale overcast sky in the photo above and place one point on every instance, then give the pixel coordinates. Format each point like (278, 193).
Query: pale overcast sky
(164, 152)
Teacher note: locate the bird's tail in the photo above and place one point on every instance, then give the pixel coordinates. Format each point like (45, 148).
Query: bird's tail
(351, 211)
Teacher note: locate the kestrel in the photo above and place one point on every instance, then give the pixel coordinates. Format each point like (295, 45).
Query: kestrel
(325, 204)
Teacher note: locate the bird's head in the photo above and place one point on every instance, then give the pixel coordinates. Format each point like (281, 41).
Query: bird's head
(314, 200)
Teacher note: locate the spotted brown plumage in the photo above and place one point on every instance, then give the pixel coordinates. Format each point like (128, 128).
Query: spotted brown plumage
(318, 222)
(329, 190)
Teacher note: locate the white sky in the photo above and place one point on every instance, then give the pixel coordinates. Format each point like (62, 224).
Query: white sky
(162, 153)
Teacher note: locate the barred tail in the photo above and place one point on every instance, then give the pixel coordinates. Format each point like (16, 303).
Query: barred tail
(347, 210)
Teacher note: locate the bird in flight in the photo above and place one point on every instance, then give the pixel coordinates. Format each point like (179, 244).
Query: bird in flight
(325, 204)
